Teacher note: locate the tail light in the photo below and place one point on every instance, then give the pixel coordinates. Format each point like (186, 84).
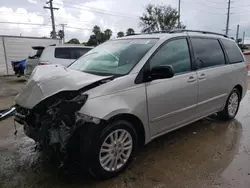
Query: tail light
(43, 63)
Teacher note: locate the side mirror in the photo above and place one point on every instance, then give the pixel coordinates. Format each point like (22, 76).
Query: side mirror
(161, 72)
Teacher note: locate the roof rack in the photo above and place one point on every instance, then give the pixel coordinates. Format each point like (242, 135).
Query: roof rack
(197, 31)
(163, 31)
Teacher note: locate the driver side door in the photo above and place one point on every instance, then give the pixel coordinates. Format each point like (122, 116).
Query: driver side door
(172, 102)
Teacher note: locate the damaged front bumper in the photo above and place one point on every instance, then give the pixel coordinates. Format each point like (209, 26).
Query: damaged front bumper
(54, 123)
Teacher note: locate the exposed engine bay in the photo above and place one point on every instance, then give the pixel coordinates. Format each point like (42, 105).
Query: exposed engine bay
(54, 120)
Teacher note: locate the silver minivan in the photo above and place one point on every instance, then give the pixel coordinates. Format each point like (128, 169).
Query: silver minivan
(128, 91)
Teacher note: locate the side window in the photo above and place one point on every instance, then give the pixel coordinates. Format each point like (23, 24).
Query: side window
(208, 52)
(62, 53)
(174, 53)
(232, 51)
(78, 52)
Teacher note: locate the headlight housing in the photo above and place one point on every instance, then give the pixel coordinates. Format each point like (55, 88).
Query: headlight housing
(80, 99)
(88, 118)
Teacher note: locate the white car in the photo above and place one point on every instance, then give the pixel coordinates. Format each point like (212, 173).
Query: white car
(63, 54)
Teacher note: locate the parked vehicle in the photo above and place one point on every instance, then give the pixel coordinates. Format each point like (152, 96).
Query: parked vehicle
(33, 59)
(18, 67)
(62, 54)
(128, 91)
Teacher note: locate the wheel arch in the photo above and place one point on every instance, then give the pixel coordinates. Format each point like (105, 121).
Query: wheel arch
(136, 122)
(240, 89)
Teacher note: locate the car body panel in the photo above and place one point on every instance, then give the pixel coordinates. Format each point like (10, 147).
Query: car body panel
(120, 96)
(174, 102)
(214, 88)
(48, 80)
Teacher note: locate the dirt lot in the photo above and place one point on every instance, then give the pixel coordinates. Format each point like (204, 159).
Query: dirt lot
(208, 153)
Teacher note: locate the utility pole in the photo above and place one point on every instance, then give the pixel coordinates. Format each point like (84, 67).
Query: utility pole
(228, 15)
(179, 13)
(52, 17)
(237, 34)
(63, 32)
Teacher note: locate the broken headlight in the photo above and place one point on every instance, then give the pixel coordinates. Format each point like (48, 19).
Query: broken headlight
(74, 104)
(87, 118)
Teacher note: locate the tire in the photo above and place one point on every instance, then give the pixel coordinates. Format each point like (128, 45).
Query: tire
(226, 113)
(111, 150)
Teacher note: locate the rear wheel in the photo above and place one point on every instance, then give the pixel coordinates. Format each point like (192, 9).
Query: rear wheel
(113, 149)
(232, 106)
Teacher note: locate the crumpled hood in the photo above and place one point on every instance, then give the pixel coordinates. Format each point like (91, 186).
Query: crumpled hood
(48, 80)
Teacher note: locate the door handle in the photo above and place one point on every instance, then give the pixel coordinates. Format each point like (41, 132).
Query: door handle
(202, 76)
(191, 79)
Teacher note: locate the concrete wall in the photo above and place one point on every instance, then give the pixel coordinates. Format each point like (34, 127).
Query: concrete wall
(18, 48)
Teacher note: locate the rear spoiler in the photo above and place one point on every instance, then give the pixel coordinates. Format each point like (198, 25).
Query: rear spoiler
(38, 47)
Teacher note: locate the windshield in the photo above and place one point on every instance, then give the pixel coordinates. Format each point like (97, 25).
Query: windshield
(114, 57)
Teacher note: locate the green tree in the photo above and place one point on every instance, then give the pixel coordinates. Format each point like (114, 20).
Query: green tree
(108, 34)
(159, 18)
(92, 41)
(130, 31)
(98, 36)
(120, 34)
(96, 30)
(73, 41)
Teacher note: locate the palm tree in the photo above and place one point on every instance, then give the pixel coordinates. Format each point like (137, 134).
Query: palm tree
(108, 34)
(96, 30)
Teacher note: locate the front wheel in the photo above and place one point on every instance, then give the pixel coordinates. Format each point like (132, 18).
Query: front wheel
(113, 150)
(232, 106)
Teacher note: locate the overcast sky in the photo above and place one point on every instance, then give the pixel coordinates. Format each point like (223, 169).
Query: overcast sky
(117, 15)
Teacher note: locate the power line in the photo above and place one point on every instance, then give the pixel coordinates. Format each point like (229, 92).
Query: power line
(205, 5)
(215, 2)
(78, 21)
(24, 23)
(103, 10)
(203, 11)
(100, 11)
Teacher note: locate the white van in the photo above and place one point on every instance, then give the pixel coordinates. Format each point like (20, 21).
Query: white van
(63, 54)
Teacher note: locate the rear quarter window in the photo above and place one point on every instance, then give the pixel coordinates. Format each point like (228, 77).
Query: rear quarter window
(78, 52)
(232, 50)
(63, 53)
